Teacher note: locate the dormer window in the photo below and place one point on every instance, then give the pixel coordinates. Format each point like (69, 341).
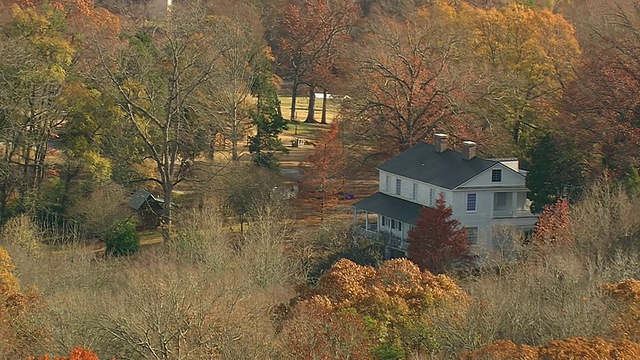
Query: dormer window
(496, 175)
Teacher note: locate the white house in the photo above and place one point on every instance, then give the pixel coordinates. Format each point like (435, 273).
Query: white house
(486, 195)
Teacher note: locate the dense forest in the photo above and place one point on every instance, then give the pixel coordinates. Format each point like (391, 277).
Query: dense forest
(192, 106)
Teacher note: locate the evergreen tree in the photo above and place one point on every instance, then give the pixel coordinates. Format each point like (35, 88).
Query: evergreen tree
(555, 171)
(267, 118)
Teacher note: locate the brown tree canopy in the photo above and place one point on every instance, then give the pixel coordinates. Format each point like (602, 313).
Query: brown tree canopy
(409, 83)
(601, 107)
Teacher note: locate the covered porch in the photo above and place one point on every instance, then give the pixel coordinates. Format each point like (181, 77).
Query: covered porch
(386, 219)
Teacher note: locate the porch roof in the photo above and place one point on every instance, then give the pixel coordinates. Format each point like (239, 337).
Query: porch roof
(389, 206)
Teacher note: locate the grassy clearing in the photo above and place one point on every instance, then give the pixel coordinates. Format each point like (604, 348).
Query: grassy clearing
(305, 130)
(302, 103)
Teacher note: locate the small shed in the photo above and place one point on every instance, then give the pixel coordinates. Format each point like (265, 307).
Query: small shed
(148, 207)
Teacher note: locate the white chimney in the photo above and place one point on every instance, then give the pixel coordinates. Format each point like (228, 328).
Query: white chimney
(468, 150)
(441, 142)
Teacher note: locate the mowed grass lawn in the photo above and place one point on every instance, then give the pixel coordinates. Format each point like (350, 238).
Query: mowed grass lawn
(302, 104)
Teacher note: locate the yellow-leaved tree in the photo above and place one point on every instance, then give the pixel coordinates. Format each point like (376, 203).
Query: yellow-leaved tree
(526, 57)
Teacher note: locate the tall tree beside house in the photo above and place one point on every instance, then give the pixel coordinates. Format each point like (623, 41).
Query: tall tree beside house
(601, 106)
(407, 85)
(556, 170)
(437, 241)
(324, 174)
(527, 57)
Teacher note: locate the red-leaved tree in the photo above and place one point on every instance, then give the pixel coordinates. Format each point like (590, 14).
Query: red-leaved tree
(437, 240)
(324, 172)
(554, 226)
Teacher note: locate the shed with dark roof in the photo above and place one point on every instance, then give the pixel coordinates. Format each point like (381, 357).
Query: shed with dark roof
(148, 206)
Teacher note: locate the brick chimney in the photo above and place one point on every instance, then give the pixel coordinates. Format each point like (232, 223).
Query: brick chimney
(468, 150)
(441, 142)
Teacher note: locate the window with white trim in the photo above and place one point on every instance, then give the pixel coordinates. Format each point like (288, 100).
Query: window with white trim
(414, 194)
(496, 175)
(432, 194)
(384, 220)
(471, 202)
(472, 235)
(387, 184)
(393, 223)
(398, 186)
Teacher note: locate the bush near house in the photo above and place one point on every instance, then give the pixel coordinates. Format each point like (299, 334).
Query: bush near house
(122, 239)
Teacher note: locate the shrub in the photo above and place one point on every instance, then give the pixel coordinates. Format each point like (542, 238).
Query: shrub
(122, 239)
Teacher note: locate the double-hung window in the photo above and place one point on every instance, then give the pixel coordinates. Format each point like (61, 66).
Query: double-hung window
(432, 194)
(414, 194)
(471, 202)
(398, 186)
(387, 183)
(472, 235)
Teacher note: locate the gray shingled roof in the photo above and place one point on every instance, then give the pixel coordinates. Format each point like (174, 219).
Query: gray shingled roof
(140, 197)
(389, 206)
(447, 170)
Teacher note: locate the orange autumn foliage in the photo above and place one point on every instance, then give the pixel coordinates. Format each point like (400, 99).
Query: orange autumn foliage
(8, 283)
(328, 333)
(398, 300)
(571, 348)
(628, 295)
(15, 331)
(78, 353)
(399, 280)
(355, 310)
(324, 171)
(554, 226)
(502, 350)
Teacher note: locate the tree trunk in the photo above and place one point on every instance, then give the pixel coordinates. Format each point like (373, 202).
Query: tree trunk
(312, 104)
(516, 132)
(166, 213)
(324, 106)
(235, 132)
(294, 97)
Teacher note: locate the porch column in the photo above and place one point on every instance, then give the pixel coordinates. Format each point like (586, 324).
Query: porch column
(514, 203)
(366, 220)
